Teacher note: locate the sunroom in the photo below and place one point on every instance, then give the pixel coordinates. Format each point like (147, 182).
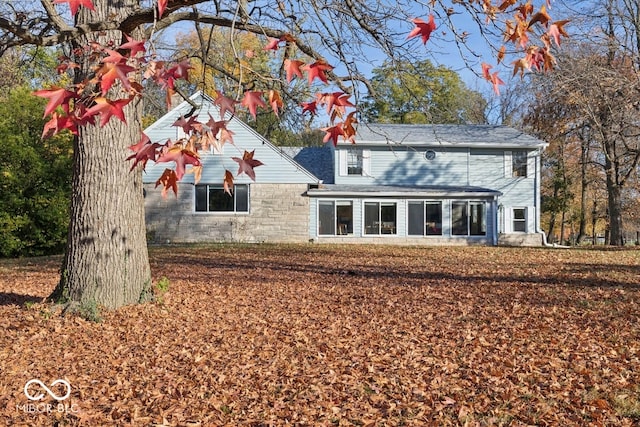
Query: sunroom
(419, 215)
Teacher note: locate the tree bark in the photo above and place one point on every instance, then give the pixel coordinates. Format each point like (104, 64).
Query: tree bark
(616, 237)
(106, 260)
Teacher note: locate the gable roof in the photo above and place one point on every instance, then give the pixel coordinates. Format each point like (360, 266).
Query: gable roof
(317, 160)
(279, 167)
(478, 136)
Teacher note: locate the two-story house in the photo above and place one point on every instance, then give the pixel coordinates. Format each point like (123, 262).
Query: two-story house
(402, 184)
(432, 184)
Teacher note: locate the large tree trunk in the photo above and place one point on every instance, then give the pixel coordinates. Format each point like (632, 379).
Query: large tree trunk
(616, 237)
(106, 261)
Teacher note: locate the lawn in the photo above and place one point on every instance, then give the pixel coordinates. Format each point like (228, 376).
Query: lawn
(335, 336)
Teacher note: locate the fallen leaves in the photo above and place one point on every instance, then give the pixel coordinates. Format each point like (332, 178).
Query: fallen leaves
(323, 335)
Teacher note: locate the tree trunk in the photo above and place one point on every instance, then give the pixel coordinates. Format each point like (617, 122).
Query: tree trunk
(106, 262)
(616, 237)
(584, 183)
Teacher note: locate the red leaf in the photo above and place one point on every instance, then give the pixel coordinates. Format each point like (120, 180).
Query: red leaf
(228, 182)
(134, 46)
(187, 125)
(169, 180)
(75, 4)
(275, 100)
(556, 30)
(247, 163)
(423, 29)
(310, 107)
(272, 45)
(57, 97)
(162, 5)
(144, 151)
(225, 104)
(114, 57)
(252, 100)
(107, 108)
(181, 157)
(292, 68)
(333, 133)
(57, 124)
(110, 72)
(317, 70)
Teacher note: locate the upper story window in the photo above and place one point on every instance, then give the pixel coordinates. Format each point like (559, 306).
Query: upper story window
(354, 161)
(519, 164)
(212, 198)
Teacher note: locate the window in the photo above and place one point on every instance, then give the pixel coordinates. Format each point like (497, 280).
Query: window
(468, 219)
(354, 162)
(335, 217)
(212, 198)
(519, 164)
(520, 220)
(425, 218)
(379, 218)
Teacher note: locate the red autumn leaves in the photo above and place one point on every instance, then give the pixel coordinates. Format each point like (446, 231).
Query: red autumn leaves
(82, 104)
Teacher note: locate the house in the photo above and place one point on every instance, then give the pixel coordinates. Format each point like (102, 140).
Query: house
(400, 184)
(432, 184)
(273, 208)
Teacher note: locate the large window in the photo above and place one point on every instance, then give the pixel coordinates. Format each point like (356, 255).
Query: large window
(468, 218)
(212, 198)
(380, 218)
(335, 217)
(425, 218)
(519, 163)
(519, 220)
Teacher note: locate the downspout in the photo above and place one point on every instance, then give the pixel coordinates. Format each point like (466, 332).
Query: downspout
(536, 188)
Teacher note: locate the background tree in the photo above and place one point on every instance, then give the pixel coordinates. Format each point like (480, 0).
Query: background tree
(407, 92)
(106, 260)
(35, 179)
(590, 104)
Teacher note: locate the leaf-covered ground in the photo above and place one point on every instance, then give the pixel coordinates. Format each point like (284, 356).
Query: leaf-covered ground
(321, 335)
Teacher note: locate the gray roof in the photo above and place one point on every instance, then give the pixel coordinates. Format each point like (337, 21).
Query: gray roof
(339, 190)
(317, 160)
(487, 136)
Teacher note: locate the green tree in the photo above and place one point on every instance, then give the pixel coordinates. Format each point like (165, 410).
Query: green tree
(35, 179)
(421, 92)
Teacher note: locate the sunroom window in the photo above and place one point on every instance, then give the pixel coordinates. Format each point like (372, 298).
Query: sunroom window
(425, 218)
(335, 217)
(468, 218)
(380, 218)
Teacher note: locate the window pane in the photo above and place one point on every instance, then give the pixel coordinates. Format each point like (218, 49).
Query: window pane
(201, 198)
(388, 218)
(242, 198)
(478, 223)
(459, 218)
(371, 218)
(518, 213)
(416, 219)
(519, 163)
(326, 221)
(219, 201)
(434, 218)
(344, 212)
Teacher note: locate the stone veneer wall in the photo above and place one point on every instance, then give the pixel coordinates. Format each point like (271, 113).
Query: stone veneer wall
(520, 239)
(277, 213)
